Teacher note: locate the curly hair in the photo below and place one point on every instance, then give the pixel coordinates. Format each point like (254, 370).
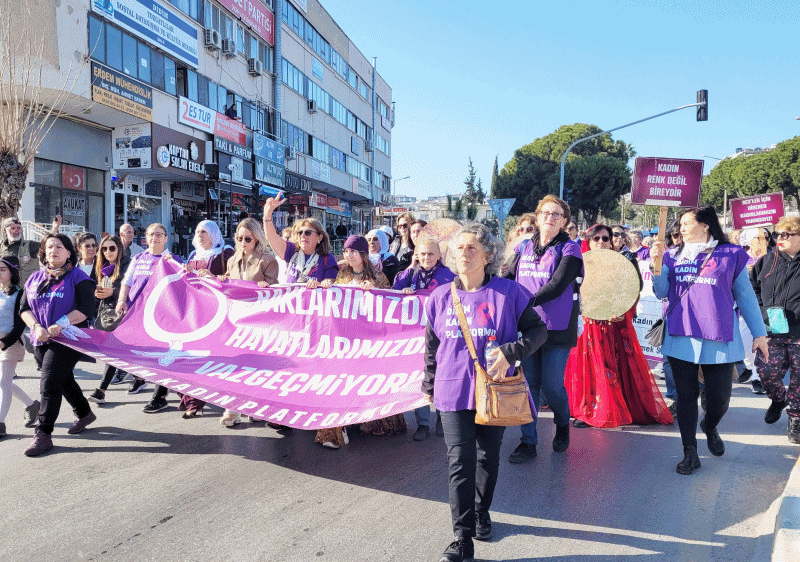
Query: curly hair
(491, 244)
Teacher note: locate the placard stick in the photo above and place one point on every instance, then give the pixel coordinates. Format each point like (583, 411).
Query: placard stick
(662, 226)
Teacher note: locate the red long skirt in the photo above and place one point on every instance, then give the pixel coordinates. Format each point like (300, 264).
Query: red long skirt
(608, 380)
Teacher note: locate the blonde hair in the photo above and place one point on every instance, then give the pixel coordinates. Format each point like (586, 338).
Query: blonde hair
(791, 224)
(255, 229)
(156, 225)
(550, 198)
(428, 241)
(324, 246)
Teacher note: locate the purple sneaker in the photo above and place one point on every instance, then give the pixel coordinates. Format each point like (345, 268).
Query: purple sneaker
(80, 424)
(42, 442)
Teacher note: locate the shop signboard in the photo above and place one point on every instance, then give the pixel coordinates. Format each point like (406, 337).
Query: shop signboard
(240, 151)
(200, 117)
(362, 188)
(178, 153)
(297, 183)
(270, 172)
(298, 200)
(255, 15)
(132, 147)
(757, 210)
(154, 23)
(318, 200)
(269, 149)
(667, 182)
(74, 205)
(121, 92)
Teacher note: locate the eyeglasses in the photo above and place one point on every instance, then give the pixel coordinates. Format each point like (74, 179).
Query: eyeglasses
(109, 249)
(602, 238)
(525, 229)
(404, 225)
(245, 239)
(786, 235)
(306, 232)
(617, 234)
(555, 215)
(156, 235)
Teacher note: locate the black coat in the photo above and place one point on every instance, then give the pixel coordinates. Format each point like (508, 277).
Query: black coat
(776, 280)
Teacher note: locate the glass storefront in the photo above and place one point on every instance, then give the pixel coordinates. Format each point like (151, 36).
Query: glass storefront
(74, 192)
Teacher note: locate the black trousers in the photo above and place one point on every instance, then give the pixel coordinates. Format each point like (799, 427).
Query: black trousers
(473, 454)
(718, 385)
(58, 379)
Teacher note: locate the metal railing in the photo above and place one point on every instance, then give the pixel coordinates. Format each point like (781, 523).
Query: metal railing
(36, 232)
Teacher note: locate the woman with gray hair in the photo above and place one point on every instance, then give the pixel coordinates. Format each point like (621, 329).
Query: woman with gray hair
(498, 309)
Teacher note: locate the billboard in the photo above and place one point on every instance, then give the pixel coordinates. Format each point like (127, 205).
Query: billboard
(757, 210)
(667, 182)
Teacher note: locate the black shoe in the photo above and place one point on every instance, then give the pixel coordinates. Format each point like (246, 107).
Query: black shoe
(794, 430)
(421, 434)
(672, 407)
(522, 454)
(690, 462)
(774, 411)
(561, 440)
(745, 376)
(579, 423)
(715, 444)
(137, 386)
(460, 550)
(758, 388)
(483, 526)
(439, 428)
(98, 397)
(155, 405)
(118, 378)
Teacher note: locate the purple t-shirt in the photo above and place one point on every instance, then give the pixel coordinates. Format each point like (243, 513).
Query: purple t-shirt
(408, 277)
(326, 268)
(492, 310)
(533, 274)
(139, 272)
(706, 310)
(59, 299)
(643, 253)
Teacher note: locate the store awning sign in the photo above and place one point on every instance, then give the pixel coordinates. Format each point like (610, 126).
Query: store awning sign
(121, 92)
(269, 149)
(200, 117)
(270, 172)
(232, 148)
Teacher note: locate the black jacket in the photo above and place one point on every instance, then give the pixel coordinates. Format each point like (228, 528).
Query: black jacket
(19, 326)
(776, 280)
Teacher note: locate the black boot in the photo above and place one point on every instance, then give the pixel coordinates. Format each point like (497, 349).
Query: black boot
(794, 430)
(690, 462)
(774, 411)
(715, 444)
(460, 550)
(561, 440)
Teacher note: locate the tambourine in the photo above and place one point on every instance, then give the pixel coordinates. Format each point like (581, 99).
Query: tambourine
(442, 230)
(610, 285)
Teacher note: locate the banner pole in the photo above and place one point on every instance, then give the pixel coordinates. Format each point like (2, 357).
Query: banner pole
(662, 226)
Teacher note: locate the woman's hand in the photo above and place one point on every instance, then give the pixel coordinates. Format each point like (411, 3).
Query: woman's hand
(54, 331)
(326, 283)
(122, 308)
(103, 292)
(367, 284)
(408, 291)
(760, 344)
(500, 366)
(166, 255)
(273, 203)
(40, 334)
(263, 284)
(657, 250)
(617, 318)
(204, 273)
(429, 398)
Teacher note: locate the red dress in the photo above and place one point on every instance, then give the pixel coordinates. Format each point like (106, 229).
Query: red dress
(608, 379)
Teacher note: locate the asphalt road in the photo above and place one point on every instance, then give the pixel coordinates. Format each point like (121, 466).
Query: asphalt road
(140, 487)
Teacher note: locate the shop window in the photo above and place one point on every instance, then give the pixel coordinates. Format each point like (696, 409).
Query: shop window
(212, 89)
(48, 204)
(157, 70)
(202, 90)
(95, 181)
(97, 39)
(170, 85)
(192, 90)
(222, 95)
(130, 63)
(47, 172)
(113, 47)
(144, 63)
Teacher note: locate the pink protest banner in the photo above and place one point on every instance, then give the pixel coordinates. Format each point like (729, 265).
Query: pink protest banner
(667, 182)
(290, 355)
(757, 210)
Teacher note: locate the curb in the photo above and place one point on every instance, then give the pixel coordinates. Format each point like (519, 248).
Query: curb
(786, 541)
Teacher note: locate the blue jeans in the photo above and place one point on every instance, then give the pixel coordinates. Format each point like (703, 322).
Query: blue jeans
(422, 415)
(672, 394)
(544, 371)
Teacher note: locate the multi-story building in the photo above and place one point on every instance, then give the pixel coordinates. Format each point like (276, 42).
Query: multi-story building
(190, 109)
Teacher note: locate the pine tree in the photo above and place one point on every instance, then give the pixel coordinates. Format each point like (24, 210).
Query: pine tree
(480, 194)
(470, 195)
(493, 186)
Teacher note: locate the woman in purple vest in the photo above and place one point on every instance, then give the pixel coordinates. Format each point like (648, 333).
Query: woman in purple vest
(309, 260)
(549, 263)
(703, 277)
(56, 298)
(493, 306)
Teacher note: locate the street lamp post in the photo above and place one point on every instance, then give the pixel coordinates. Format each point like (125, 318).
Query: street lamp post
(724, 197)
(394, 191)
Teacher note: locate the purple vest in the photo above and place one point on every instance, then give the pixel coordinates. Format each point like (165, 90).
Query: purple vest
(58, 301)
(406, 278)
(326, 268)
(492, 310)
(139, 272)
(706, 310)
(533, 275)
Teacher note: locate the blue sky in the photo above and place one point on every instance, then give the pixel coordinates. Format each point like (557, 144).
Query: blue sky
(479, 79)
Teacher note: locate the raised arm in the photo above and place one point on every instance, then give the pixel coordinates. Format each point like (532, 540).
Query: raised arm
(276, 242)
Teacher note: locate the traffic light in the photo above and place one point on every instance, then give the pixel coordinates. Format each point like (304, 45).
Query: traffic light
(702, 110)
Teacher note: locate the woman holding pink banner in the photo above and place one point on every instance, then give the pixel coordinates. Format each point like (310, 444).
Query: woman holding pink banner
(495, 307)
(309, 260)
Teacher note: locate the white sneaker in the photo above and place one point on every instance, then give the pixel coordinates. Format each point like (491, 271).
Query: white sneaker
(229, 419)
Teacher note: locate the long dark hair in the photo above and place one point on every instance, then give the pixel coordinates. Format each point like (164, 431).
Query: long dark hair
(707, 216)
(100, 260)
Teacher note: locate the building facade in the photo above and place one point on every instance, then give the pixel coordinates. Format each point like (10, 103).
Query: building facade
(184, 110)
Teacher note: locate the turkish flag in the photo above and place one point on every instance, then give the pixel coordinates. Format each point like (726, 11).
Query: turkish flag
(73, 177)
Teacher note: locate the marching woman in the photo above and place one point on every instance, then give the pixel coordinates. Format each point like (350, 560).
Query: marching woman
(503, 308)
(428, 274)
(56, 298)
(380, 256)
(109, 271)
(134, 282)
(251, 262)
(309, 260)
(703, 277)
(357, 270)
(608, 380)
(776, 280)
(11, 349)
(86, 244)
(403, 246)
(549, 264)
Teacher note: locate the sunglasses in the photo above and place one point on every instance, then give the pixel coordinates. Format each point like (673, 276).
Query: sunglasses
(602, 238)
(306, 232)
(109, 249)
(245, 239)
(785, 235)
(617, 234)
(525, 229)
(402, 225)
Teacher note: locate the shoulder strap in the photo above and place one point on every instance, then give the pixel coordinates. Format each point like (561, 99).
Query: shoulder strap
(689, 286)
(462, 321)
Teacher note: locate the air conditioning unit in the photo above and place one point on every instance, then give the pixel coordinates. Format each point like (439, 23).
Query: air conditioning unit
(229, 48)
(291, 153)
(312, 106)
(213, 40)
(367, 146)
(255, 67)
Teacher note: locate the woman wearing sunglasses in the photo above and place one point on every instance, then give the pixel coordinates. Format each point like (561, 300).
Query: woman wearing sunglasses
(776, 280)
(608, 380)
(309, 260)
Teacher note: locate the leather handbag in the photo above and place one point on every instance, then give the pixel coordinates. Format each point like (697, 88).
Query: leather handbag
(500, 403)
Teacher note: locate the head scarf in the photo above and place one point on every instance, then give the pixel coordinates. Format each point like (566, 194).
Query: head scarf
(384, 242)
(217, 242)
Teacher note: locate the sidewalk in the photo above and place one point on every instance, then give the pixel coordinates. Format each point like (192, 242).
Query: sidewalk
(786, 544)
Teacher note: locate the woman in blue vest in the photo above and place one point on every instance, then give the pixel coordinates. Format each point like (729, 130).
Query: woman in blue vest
(56, 298)
(704, 276)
